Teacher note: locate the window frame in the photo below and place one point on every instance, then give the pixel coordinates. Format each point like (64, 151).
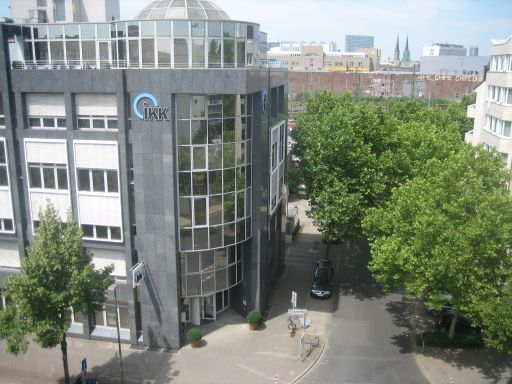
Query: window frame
(46, 166)
(91, 181)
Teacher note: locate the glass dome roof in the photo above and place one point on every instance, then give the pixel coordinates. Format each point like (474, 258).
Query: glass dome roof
(182, 9)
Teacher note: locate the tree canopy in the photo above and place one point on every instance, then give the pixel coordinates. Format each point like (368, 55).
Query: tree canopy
(57, 275)
(446, 232)
(341, 162)
(352, 155)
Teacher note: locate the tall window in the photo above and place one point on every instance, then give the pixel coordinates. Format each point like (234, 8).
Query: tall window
(6, 223)
(2, 113)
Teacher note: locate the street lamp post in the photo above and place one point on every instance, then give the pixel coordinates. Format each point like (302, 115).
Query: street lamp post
(113, 287)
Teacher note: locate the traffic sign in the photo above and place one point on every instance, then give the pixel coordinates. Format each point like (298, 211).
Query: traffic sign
(297, 312)
(294, 299)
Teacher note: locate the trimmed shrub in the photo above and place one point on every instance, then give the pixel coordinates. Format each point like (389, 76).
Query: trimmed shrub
(253, 317)
(440, 339)
(194, 334)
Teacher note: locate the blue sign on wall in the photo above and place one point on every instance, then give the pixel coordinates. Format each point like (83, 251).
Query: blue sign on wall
(150, 109)
(264, 101)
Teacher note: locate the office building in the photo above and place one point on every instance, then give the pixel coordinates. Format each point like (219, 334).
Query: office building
(353, 42)
(319, 58)
(166, 137)
(492, 111)
(55, 11)
(446, 49)
(453, 65)
(451, 59)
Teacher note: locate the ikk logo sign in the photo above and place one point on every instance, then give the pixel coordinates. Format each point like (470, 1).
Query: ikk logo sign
(150, 109)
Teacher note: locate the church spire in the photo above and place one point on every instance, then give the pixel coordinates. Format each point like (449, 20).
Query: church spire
(396, 60)
(407, 55)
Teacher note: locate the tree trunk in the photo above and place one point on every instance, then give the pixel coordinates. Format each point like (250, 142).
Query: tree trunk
(453, 323)
(64, 349)
(328, 251)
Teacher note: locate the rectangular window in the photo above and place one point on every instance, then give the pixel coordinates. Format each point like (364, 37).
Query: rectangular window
(214, 53)
(48, 176)
(107, 317)
(2, 113)
(6, 225)
(112, 185)
(148, 53)
(134, 53)
(101, 232)
(98, 180)
(164, 53)
(198, 59)
(229, 53)
(273, 102)
(84, 183)
(180, 53)
(4, 180)
(506, 128)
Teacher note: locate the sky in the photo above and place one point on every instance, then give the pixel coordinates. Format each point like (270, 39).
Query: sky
(464, 22)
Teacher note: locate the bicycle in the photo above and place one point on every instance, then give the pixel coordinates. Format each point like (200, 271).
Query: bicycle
(292, 327)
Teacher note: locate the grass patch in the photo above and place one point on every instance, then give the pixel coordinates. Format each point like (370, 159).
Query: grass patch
(440, 339)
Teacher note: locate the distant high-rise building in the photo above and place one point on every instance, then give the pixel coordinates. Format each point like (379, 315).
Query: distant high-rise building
(56, 11)
(446, 49)
(407, 55)
(473, 51)
(352, 42)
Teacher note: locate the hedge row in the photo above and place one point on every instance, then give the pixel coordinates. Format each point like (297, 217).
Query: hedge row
(440, 339)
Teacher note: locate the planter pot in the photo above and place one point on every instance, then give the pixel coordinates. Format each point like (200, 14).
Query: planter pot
(253, 326)
(195, 343)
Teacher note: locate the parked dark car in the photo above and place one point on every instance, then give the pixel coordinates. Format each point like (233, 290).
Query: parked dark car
(321, 286)
(324, 263)
(443, 320)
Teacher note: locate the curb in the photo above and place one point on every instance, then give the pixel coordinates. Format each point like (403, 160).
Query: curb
(310, 366)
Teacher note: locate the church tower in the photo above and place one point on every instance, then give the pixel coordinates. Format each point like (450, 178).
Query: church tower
(407, 55)
(396, 61)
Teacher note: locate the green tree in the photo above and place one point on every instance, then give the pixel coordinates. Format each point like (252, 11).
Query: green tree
(458, 113)
(56, 276)
(496, 313)
(446, 232)
(341, 147)
(352, 155)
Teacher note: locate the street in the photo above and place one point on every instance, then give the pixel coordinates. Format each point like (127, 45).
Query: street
(369, 340)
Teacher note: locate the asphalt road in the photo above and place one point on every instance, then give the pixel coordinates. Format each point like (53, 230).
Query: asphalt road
(369, 339)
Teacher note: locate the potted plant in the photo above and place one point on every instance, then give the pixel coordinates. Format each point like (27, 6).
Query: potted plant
(253, 318)
(194, 337)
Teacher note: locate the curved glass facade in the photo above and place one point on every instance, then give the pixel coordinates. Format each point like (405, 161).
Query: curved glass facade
(214, 167)
(140, 44)
(207, 272)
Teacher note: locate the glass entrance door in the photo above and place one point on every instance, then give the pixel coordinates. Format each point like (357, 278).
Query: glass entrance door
(208, 307)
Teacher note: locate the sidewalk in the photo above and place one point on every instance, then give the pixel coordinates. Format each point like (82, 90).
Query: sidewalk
(461, 366)
(233, 354)
(230, 352)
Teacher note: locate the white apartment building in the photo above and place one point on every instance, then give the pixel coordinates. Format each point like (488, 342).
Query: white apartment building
(493, 109)
(56, 11)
